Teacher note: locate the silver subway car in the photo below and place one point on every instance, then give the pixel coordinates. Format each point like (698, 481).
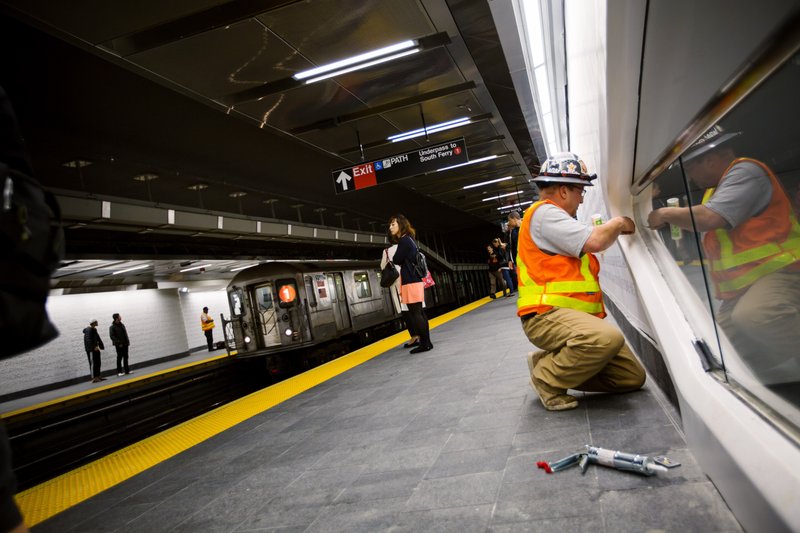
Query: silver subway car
(281, 306)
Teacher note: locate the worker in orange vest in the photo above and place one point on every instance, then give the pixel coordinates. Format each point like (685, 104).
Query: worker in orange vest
(207, 324)
(560, 302)
(752, 248)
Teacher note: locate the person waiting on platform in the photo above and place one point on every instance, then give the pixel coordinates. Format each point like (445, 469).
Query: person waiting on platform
(400, 307)
(207, 325)
(495, 276)
(514, 221)
(752, 244)
(501, 250)
(93, 344)
(119, 338)
(560, 302)
(412, 290)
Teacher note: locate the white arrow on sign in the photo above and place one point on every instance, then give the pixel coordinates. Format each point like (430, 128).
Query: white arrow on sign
(342, 180)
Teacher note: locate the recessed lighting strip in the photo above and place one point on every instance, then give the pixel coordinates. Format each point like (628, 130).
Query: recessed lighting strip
(500, 196)
(479, 160)
(442, 126)
(138, 267)
(514, 205)
(243, 267)
(487, 182)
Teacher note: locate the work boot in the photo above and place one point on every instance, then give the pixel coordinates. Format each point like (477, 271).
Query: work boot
(552, 398)
(533, 360)
(492, 296)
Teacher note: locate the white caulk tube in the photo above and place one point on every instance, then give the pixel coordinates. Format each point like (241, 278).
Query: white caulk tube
(641, 464)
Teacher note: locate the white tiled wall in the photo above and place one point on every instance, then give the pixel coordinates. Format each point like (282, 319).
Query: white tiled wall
(160, 322)
(193, 303)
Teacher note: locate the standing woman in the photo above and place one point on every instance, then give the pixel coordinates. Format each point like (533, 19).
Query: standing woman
(412, 290)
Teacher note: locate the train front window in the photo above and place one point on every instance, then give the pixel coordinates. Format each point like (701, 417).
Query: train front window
(264, 298)
(363, 290)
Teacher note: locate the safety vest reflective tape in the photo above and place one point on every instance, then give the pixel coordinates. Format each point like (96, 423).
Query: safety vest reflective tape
(766, 243)
(558, 281)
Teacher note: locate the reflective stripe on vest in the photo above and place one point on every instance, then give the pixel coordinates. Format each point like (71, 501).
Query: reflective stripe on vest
(757, 261)
(554, 293)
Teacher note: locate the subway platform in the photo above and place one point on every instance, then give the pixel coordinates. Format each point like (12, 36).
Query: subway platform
(446, 440)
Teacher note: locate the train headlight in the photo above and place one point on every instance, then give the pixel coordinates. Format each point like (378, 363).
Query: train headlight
(247, 339)
(288, 332)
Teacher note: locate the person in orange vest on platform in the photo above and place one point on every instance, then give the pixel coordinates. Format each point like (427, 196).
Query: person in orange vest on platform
(560, 302)
(752, 248)
(207, 324)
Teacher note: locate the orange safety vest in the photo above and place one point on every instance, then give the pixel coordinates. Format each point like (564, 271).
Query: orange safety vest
(206, 322)
(547, 281)
(761, 245)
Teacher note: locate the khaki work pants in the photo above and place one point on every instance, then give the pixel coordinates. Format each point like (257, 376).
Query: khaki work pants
(763, 325)
(583, 352)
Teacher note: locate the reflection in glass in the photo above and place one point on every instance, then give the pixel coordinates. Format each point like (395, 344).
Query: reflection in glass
(741, 180)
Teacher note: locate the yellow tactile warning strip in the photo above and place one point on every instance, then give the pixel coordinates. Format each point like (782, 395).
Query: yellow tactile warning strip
(78, 395)
(47, 499)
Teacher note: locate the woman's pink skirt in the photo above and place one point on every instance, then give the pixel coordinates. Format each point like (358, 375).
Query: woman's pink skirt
(413, 293)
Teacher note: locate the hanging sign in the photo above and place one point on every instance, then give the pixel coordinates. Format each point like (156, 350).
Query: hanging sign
(405, 165)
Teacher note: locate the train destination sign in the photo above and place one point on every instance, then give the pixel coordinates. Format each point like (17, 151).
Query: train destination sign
(399, 166)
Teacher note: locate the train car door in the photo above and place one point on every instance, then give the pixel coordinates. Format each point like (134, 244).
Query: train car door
(339, 301)
(266, 315)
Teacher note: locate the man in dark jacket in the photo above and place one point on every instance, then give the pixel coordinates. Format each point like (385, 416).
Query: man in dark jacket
(514, 222)
(93, 344)
(119, 338)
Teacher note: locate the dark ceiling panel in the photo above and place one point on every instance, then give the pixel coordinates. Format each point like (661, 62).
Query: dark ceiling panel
(328, 30)
(96, 21)
(224, 60)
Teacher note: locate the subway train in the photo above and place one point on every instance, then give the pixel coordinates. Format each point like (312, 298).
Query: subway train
(281, 306)
(658, 103)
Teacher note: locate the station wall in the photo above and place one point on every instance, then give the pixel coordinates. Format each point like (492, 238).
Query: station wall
(160, 323)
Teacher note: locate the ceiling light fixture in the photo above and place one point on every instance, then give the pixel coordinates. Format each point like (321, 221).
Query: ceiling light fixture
(197, 187)
(514, 205)
(196, 267)
(487, 182)
(243, 267)
(138, 267)
(500, 196)
(479, 160)
(148, 176)
(237, 194)
(358, 62)
(442, 126)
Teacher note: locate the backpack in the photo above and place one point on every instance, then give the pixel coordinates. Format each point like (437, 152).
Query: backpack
(420, 264)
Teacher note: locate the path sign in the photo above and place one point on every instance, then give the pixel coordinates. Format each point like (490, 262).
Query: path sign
(395, 167)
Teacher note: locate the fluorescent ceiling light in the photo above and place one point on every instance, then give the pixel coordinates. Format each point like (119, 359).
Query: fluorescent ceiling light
(358, 62)
(243, 267)
(515, 205)
(500, 196)
(479, 160)
(131, 269)
(442, 126)
(486, 182)
(196, 267)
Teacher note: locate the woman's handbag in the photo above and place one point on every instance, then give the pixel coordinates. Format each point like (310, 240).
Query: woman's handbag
(389, 274)
(427, 281)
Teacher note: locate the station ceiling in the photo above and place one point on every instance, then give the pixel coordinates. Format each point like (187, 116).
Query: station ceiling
(193, 104)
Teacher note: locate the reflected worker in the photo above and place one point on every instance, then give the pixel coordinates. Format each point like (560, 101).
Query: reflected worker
(752, 246)
(560, 302)
(207, 325)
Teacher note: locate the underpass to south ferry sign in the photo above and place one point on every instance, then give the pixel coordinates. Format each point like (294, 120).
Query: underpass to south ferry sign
(398, 166)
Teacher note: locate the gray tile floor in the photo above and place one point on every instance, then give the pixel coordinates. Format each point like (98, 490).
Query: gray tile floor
(446, 440)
